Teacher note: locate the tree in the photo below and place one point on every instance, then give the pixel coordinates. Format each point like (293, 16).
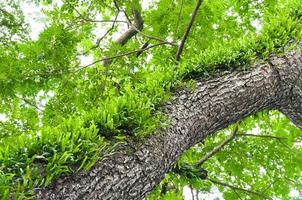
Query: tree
(164, 78)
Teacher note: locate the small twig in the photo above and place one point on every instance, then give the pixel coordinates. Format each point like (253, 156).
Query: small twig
(280, 139)
(29, 103)
(121, 55)
(186, 34)
(270, 185)
(262, 136)
(239, 189)
(103, 59)
(94, 20)
(105, 21)
(116, 5)
(118, 8)
(145, 45)
(197, 194)
(100, 39)
(192, 192)
(239, 197)
(179, 15)
(219, 147)
(153, 37)
(127, 35)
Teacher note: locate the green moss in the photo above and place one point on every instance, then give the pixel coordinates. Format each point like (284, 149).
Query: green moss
(88, 114)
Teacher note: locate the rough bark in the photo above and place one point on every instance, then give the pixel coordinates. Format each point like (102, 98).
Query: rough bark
(132, 172)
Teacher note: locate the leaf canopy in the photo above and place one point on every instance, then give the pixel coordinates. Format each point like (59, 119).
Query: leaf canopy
(61, 114)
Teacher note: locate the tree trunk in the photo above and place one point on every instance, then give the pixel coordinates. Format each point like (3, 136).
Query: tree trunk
(131, 172)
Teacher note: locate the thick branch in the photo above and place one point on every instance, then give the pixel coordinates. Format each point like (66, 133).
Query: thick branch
(294, 110)
(133, 171)
(291, 103)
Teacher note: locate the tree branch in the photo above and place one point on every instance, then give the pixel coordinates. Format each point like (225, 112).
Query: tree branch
(294, 110)
(100, 39)
(178, 17)
(123, 39)
(121, 55)
(29, 103)
(154, 37)
(262, 136)
(239, 197)
(238, 188)
(186, 34)
(138, 24)
(219, 147)
(118, 8)
(133, 171)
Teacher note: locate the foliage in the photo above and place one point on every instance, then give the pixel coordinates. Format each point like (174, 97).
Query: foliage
(64, 115)
(264, 164)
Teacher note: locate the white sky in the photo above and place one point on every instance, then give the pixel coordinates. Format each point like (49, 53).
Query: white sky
(3, 117)
(34, 17)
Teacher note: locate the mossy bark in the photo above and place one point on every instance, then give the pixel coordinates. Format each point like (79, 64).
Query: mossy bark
(214, 105)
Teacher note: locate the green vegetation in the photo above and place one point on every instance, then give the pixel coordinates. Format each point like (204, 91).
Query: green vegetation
(87, 110)
(267, 164)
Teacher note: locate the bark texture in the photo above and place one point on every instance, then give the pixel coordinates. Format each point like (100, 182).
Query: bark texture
(133, 171)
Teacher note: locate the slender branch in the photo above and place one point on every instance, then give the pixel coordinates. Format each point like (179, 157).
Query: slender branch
(262, 136)
(153, 37)
(87, 19)
(197, 194)
(179, 15)
(186, 34)
(219, 147)
(121, 55)
(29, 102)
(270, 185)
(116, 5)
(123, 39)
(192, 192)
(99, 20)
(118, 8)
(98, 61)
(100, 39)
(238, 188)
(239, 197)
(105, 21)
(145, 45)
